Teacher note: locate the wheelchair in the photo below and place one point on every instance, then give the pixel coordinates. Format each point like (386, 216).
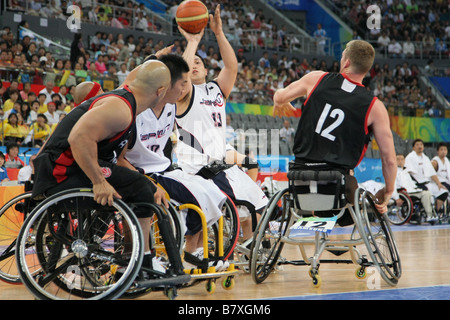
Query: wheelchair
(12, 215)
(402, 214)
(219, 242)
(315, 201)
(70, 247)
(419, 216)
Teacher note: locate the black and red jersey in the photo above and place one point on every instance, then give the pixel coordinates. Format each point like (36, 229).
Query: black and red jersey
(333, 127)
(55, 162)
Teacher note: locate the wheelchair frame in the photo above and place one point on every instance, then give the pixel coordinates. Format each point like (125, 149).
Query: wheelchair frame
(270, 239)
(59, 241)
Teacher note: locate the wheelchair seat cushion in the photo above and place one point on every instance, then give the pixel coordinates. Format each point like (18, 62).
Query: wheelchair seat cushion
(316, 190)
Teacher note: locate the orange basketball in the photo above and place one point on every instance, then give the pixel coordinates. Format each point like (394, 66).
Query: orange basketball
(192, 16)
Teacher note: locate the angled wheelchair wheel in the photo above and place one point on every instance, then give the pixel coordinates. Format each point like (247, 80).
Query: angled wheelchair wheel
(156, 238)
(12, 215)
(72, 248)
(379, 239)
(231, 229)
(267, 244)
(399, 215)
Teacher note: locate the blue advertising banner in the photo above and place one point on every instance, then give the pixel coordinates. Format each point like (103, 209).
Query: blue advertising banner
(369, 169)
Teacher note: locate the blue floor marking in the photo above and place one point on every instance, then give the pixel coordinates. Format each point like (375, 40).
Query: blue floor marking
(441, 292)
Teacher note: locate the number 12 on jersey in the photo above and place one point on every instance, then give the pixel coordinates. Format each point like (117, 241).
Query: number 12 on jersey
(337, 114)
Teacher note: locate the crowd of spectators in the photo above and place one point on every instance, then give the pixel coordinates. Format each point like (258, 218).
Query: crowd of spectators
(106, 56)
(409, 28)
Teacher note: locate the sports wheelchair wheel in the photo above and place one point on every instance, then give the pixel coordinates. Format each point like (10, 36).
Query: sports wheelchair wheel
(157, 244)
(267, 245)
(378, 238)
(231, 229)
(69, 245)
(399, 215)
(12, 215)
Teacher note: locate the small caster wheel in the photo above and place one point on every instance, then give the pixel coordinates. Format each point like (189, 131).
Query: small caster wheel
(210, 286)
(228, 283)
(171, 293)
(361, 273)
(316, 281)
(313, 272)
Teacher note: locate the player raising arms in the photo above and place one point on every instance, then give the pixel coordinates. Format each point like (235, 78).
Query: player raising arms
(201, 122)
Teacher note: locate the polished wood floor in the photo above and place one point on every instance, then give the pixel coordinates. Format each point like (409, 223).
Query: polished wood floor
(425, 258)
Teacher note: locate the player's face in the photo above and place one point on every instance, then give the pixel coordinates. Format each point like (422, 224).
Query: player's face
(418, 147)
(199, 71)
(442, 152)
(400, 161)
(177, 90)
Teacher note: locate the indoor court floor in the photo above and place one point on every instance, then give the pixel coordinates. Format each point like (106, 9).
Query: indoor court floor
(425, 257)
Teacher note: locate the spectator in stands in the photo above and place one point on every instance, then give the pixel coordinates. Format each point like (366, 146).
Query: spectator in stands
(441, 48)
(320, 36)
(13, 98)
(48, 91)
(26, 173)
(13, 132)
(39, 132)
(287, 133)
(383, 42)
(25, 91)
(76, 48)
(51, 115)
(3, 172)
(434, 111)
(395, 49)
(12, 159)
(409, 50)
(122, 73)
(25, 112)
(13, 86)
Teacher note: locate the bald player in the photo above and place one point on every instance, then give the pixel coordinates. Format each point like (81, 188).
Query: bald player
(83, 149)
(85, 91)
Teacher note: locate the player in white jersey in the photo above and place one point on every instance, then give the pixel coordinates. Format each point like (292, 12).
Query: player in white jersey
(422, 171)
(442, 165)
(146, 153)
(201, 121)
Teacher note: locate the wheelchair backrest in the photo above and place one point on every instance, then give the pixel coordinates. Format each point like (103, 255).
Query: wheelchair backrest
(317, 190)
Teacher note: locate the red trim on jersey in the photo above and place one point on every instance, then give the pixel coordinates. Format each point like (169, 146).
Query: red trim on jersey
(126, 101)
(315, 86)
(357, 83)
(366, 129)
(362, 155)
(132, 120)
(65, 160)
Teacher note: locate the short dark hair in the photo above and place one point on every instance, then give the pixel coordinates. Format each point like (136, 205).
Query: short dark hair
(176, 64)
(201, 58)
(415, 141)
(441, 144)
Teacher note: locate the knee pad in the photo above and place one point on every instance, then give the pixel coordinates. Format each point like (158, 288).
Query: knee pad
(250, 163)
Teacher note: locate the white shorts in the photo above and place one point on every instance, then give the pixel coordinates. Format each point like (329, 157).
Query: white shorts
(239, 186)
(187, 188)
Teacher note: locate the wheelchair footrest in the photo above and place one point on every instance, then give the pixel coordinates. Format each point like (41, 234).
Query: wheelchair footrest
(304, 263)
(169, 281)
